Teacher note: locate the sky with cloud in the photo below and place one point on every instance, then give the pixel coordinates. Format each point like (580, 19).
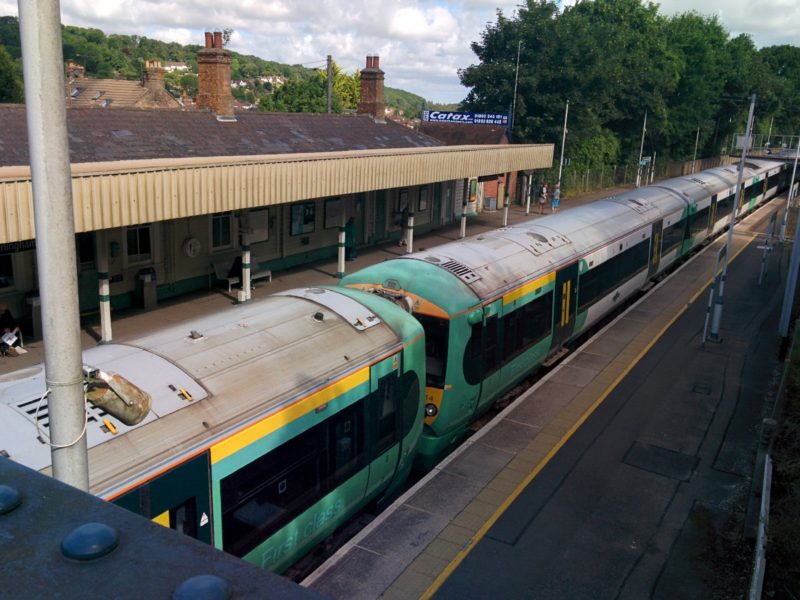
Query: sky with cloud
(422, 43)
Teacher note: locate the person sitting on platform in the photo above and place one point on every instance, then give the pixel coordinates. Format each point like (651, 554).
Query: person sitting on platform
(10, 331)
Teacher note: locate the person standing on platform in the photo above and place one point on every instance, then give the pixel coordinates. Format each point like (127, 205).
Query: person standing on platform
(350, 239)
(543, 198)
(556, 198)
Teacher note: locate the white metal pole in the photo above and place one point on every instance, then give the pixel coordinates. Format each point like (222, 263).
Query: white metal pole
(715, 322)
(694, 158)
(410, 233)
(563, 140)
(463, 232)
(341, 252)
(104, 287)
(516, 78)
(247, 287)
(769, 133)
(790, 196)
(641, 150)
(653, 168)
(43, 68)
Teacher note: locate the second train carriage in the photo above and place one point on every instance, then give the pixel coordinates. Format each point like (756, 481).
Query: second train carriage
(271, 423)
(495, 306)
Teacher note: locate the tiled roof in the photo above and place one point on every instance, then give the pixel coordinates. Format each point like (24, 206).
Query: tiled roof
(115, 93)
(131, 134)
(462, 134)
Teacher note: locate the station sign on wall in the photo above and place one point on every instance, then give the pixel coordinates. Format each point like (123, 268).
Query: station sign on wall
(467, 118)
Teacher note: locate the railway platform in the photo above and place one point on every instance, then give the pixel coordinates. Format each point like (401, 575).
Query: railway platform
(623, 473)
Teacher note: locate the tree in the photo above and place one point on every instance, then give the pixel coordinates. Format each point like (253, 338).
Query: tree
(10, 79)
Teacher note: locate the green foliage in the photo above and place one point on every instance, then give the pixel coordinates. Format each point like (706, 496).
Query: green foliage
(614, 60)
(407, 104)
(10, 78)
(298, 95)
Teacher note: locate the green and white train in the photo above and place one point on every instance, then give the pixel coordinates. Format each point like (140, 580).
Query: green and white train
(496, 306)
(270, 425)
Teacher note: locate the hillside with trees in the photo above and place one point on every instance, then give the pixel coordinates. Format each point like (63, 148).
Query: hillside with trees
(123, 56)
(615, 59)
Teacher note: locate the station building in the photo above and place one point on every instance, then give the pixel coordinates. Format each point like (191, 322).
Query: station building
(167, 201)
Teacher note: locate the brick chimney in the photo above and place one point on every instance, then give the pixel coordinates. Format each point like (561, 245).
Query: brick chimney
(154, 75)
(372, 91)
(214, 78)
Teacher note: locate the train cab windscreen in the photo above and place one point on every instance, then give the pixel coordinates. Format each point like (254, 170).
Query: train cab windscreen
(436, 334)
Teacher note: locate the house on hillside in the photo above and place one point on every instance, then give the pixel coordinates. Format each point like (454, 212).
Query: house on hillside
(119, 93)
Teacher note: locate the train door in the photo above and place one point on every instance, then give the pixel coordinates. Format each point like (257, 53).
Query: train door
(178, 499)
(712, 214)
(565, 304)
(383, 422)
(655, 247)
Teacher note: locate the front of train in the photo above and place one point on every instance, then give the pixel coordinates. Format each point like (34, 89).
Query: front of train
(446, 308)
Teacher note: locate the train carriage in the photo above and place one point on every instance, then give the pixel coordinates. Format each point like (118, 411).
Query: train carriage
(496, 306)
(271, 423)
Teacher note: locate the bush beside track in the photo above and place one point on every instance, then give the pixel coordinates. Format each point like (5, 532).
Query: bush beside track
(783, 549)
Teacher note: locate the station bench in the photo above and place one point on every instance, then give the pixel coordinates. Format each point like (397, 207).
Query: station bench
(222, 268)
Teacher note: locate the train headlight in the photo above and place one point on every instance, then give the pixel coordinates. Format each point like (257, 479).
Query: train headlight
(431, 410)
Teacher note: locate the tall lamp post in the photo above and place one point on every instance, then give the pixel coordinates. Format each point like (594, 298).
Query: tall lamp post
(790, 197)
(641, 149)
(516, 78)
(561, 161)
(791, 281)
(694, 158)
(717, 317)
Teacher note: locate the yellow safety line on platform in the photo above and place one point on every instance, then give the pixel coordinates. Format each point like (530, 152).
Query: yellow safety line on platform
(462, 554)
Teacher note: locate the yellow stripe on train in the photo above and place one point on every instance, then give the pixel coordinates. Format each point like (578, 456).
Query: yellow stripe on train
(256, 431)
(526, 289)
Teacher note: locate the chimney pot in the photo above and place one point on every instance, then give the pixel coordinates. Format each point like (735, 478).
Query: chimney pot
(376, 62)
(217, 39)
(209, 40)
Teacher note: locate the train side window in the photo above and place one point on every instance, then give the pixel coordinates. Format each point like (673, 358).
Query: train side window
(537, 319)
(267, 493)
(673, 235)
(699, 220)
(527, 325)
(437, 332)
(597, 282)
(385, 403)
(472, 366)
(410, 401)
(183, 518)
(491, 345)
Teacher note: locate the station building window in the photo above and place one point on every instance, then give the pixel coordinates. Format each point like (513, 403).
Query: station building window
(139, 244)
(221, 231)
(303, 218)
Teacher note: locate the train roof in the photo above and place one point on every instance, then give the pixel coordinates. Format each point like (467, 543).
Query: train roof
(697, 186)
(237, 366)
(484, 266)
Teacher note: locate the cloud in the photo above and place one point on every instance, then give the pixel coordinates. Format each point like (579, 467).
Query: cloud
(422, 43)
